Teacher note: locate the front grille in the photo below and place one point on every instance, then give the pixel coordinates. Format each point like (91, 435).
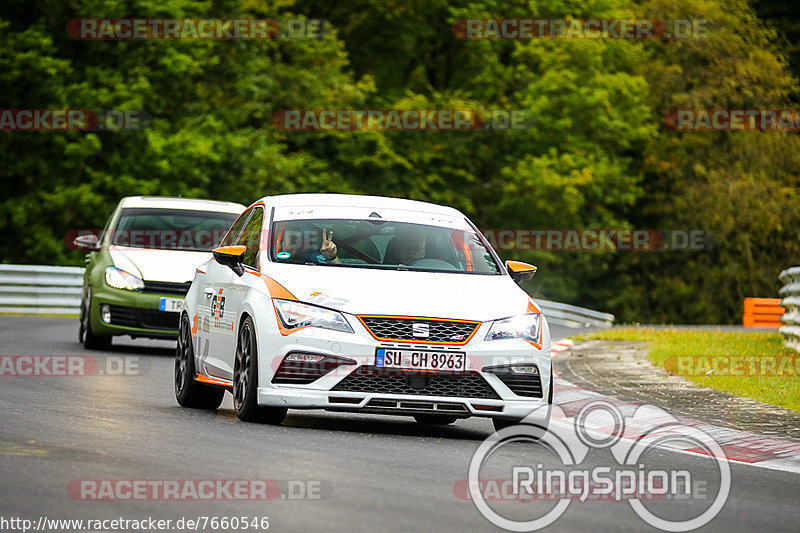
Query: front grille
(143, 318)
(521, 384)
(166, 287)
(383, 381)
(402, 329)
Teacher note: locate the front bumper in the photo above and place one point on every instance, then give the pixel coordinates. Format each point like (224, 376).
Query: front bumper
(294, 398)
(327, 393)
(132, 313)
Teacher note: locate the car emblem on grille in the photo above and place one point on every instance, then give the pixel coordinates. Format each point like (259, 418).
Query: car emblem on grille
(420, 329)
(458, 337)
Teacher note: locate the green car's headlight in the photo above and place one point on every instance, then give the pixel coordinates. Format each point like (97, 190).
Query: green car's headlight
(120, 279)
(526, 327)
(294, 315)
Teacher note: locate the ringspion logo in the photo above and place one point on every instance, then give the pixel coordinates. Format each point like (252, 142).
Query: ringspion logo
(633, 474)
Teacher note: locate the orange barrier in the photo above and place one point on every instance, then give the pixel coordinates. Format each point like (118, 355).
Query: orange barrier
(762, 313)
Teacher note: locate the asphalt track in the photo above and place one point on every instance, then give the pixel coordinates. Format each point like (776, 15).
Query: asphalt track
(365, 473)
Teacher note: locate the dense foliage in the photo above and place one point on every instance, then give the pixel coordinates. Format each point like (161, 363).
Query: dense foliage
(597, 156)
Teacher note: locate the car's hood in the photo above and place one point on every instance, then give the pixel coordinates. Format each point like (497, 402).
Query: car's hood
(403, 293)
(158, 265)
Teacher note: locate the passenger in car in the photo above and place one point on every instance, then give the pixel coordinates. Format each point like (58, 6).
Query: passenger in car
(301, 247)
(405, 248)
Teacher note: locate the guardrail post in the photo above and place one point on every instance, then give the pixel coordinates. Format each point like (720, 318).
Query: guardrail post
(790, 294)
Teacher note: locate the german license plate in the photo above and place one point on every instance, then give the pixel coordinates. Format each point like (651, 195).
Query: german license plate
(420, 359)
(170, 304)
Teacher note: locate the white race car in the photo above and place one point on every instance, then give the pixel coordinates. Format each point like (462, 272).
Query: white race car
(363, 304)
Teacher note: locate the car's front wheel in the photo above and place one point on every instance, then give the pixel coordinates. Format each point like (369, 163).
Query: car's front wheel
(188, 391)
(86, 336)
(245, 380)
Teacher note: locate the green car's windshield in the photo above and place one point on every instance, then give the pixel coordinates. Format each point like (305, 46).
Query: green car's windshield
(170, 229)
(380, 244)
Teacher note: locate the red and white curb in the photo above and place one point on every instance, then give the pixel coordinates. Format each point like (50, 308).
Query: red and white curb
(739, 446)
(560, 346)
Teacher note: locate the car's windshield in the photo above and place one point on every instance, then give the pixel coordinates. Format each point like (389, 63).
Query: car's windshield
(170, 229)
(380, 244)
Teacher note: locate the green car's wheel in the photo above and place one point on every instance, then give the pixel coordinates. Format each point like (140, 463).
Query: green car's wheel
(86, 336)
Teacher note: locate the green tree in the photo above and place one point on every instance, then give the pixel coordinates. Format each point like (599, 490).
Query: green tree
(211, 103)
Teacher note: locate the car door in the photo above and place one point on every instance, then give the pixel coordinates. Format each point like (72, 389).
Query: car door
(230, 293)
(214, 320)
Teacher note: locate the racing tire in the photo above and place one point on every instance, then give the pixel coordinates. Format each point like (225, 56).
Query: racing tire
(245, 380)
(439, 420)
(86, 336)
(188, 391)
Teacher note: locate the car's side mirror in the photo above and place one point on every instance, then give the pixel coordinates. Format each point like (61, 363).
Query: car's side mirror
(520, 272)
(89, 243)
(231, 256)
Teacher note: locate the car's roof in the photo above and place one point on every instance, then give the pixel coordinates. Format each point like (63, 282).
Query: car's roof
(166, 202)
(358, 200)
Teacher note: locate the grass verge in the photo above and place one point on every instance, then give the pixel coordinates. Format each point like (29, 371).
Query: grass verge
(751, 364)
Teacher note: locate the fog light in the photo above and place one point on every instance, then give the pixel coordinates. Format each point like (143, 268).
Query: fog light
(524, 370)
(304, 358)
(105, 313)
(300, 368)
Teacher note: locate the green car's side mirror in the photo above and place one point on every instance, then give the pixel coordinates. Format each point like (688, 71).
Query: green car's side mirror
(90, 243)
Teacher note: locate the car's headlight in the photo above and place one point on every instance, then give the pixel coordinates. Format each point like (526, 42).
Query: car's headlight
(295, 315)
(517, 327)
(120, 279)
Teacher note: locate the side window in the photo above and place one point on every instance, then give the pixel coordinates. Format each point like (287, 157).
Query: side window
(233, 233)
(251, 238)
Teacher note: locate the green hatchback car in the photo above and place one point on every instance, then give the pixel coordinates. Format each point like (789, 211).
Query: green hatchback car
(141, 265)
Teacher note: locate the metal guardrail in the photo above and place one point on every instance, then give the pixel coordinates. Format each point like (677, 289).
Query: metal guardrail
(573, 316)
(790, 292)
(33, 289)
